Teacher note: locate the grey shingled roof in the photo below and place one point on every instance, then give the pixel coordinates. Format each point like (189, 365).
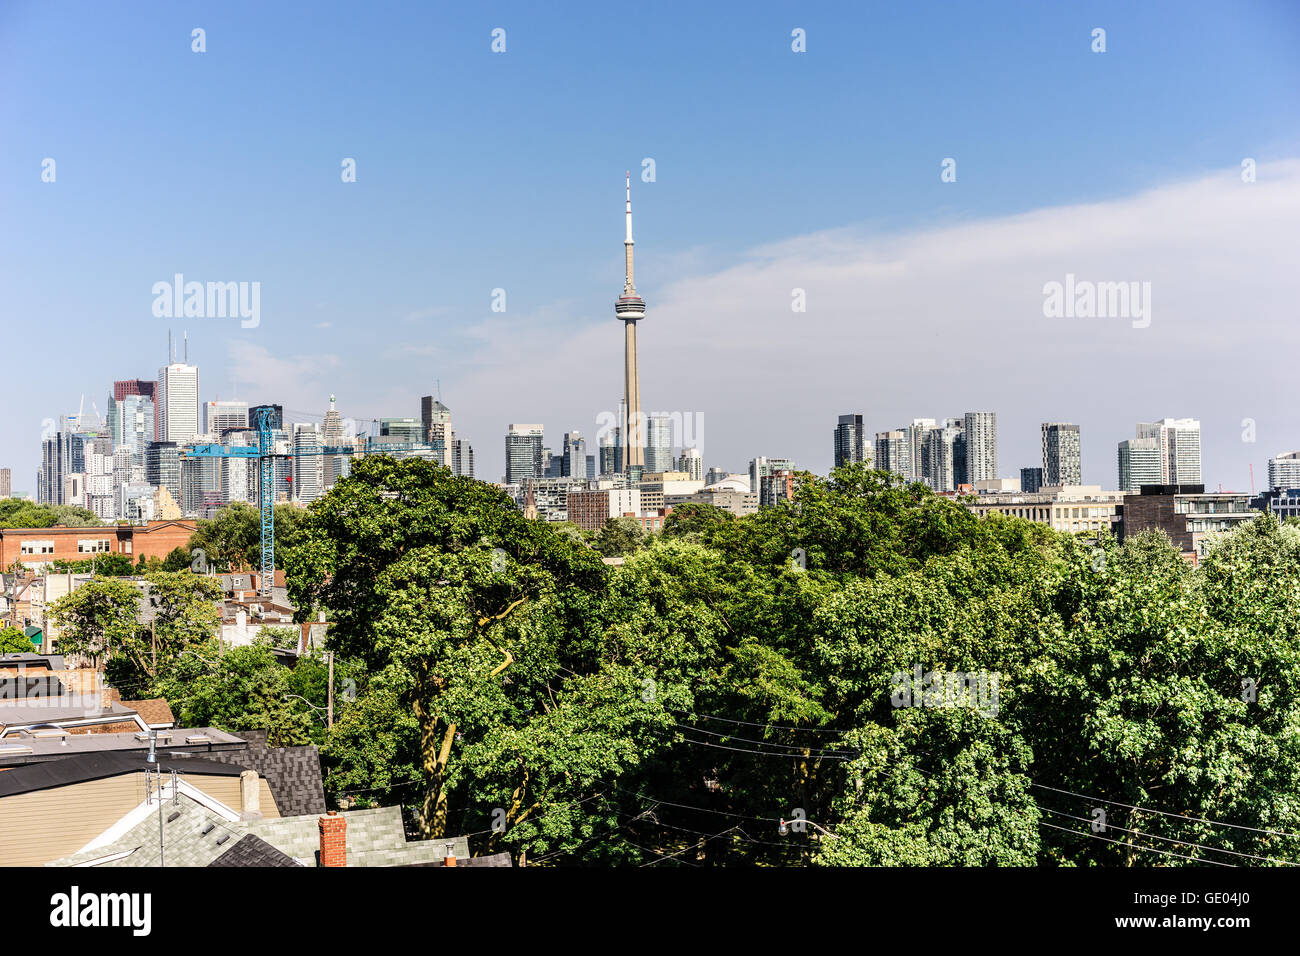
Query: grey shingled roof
(375, 838)
(292, 773)
(253, 851)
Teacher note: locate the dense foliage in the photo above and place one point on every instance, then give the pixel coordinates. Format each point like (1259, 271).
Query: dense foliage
(734, 673)
(865, 675)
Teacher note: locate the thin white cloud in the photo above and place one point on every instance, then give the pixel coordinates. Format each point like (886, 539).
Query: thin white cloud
(935, 322)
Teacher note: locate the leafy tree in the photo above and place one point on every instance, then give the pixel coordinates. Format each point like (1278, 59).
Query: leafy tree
(245, 688)
(98, 619)
(232, 539)
(184, 616)
(108, 565)
(620, 537)
(14, 641)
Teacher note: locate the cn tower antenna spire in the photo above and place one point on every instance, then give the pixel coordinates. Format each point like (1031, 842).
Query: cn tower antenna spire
(630, 308)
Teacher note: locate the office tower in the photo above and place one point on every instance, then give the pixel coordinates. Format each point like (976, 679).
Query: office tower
(941, 456)
(99, 477)
(1180, 445)
(178, 403)
(981, 441)
(435, 418)
(1031, 479)
(332, 435)
(238, 476)
(1061, 460)
(6, 483)
(309, 464)
(552, 465)
(1141, 462)
(758, 467)
(659, 443)
(162, 463)
(691, 462)
(134, 425)
(893, 452)
(630, 308)
(524, 453)
(276, 415)
(400, 431)
(591, 467)
(607, 449)
(850, 441)
(1283, 472)
(575, 456)
(462, 458)
(135, 386)
(219, 416)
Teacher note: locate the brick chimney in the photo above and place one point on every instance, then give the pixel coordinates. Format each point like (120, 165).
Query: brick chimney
(333, 839)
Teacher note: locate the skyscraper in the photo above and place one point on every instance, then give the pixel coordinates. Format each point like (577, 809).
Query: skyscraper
(659, 443)
(1283, 471)
(1180, 445)
(917, 433)
(575, 456)
(940, 454)
(462, 458)
(1061, 461)
(691, 462)
(178, 403)
(332, 435)
(1140, 463)
(630, 308)
(1031, 479)
(523, 453)
(218, 416)
(608, 452)
(893, 452)
(981, 446)
(435, 417)
(850, 441)
(6, 483)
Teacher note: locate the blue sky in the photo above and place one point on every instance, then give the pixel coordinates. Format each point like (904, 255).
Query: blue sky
(478, 171)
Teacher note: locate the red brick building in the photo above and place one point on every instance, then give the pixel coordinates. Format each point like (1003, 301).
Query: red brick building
(36, 547)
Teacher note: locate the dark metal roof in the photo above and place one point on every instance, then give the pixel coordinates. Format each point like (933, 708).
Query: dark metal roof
(80, 768)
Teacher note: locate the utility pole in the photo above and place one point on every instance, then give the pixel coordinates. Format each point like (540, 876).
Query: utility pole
(329, 713)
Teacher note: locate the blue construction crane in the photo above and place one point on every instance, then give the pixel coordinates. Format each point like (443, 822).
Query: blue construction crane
(265, 453)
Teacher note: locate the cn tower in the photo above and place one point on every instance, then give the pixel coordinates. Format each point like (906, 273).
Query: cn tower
(630, 307)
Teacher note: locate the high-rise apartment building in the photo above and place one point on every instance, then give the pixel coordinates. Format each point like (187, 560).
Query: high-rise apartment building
(6, 483)
(524, 453)
(1141, 462)
(691, 462)
(162, 463)
(1062, 464)
(309, 464)
(941, 453)
(1283, 471)
(659, 443)
(981, 434)
(1180, 444)
(850, 441)
(758, 467)
(893, 452)
(178, 403)
(917, 437)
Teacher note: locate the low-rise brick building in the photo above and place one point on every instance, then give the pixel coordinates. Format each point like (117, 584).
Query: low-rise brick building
(37, 547)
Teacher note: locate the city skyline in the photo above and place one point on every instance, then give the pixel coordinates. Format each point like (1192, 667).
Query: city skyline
(938, 285)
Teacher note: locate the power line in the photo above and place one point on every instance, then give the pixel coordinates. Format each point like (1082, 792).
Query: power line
(1147, 849)
(800, 749)
(1153, 836)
